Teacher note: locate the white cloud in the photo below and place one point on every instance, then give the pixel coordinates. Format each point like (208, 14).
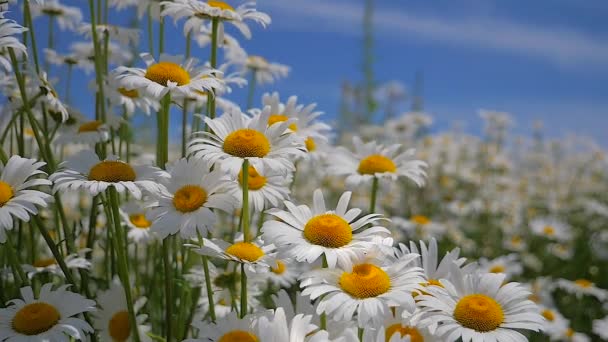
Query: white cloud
(559, 45)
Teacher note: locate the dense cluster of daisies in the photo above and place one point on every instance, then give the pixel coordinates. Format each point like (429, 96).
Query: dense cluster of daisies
(256, 226)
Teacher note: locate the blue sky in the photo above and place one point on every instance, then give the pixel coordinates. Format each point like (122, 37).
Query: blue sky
(538, 60)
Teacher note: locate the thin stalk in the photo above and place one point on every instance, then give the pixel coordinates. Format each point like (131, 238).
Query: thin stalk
(184, 127)
(14, 260)
(372, 203)
(245, 217)
(28, 20)
(123, 267)
(213, 60)
(150, 33)
(207, 279)
(323, 317)
(251, 94)
(98, 66)
(243, 291)
(168, 289)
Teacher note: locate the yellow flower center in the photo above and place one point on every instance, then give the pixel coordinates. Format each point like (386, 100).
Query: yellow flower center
(238, 336)
(247, 143)
(280, 269)
(90, 126)
(516, 240)
(430, 282)
(404, 331)
(584, 283)
(479, 312)
(497, 269)
(376, 164)
(35, 318)
(133, 93)
(45, 262)
(245, 251)
(274, 118)
(365, 281)
(220, 4)
(254, 179)
(189, 198)
(420, 220)
(310, 144)
(549, 315)
(112, 171)
(119, 326)
(140, 221)
(163, 72)
(569, 332)
(549, 230)
(328, 230)
(6, 193)
(257, 62)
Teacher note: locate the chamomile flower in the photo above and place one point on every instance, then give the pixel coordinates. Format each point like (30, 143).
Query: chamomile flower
(433, 269)
(85, 171)
(264, 72)
(514, 243)
(420, 226)
(172, 74)
(600, 327)
(185, 206)
(68, 17)
(16, 197)
(75, 261)
(237, 137)
(129, 99)
(250, 253)
(367, 288)
(397, 329)
(555, 323)
(134, 215)
(9, 28)
(265, 190)
(307, 127)
(112, 320)
(582, 287)
(50, 98)
(551, 228)
(50, 317)
(126, 36)
(306, 235)
(199, 12)
(478, 307)
(507, 264)
(55, 58)
(371, 160)
(85, 52)
(283, 272)
(91, 133)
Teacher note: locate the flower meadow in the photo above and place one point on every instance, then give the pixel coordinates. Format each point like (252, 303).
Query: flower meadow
(265, 222)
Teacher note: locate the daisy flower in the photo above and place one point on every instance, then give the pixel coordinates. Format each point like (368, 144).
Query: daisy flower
(198, 12)
(420, 226)
(186, 204)
(50, 317)
(126, 36)
(73, 261)
(68, 17)
(433, 268)
(555, 324)
(514, 243)
(367, 288)
(307, 127)
(397, 329)
(135, 215)
(91, 133)
(112, 320)
(237, 137)
(16, 197)
(55, 58)
(8, 28)
(371, 160)
(129, 99)
(283, 273)
(478, 307)
(600, 327)
(305, 234)
(169, 75)
(249, 253)
(582, 287)
(264, 72)
(203, 37)
(551, 228)
(85, 53)
(270, 326)
(85, 171)
(507, 264)
(50, 97)
(265, 190)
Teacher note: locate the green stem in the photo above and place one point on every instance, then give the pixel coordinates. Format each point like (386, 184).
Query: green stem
(98, 66)
(28, 19)
(163, 131)
(245, 210)
(14, 260)
(168, 288)
(251, 94)
(372, 203)
(243, 291)
(184, 127)
(323, 314)
(213, 60)
(207, 279)
(150, 33)
(122, 251)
